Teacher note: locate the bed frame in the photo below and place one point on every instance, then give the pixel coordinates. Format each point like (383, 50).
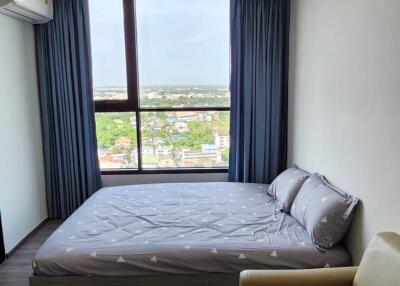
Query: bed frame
(210, 279)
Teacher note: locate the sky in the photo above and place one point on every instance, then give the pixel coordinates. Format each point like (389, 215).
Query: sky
(180, 42)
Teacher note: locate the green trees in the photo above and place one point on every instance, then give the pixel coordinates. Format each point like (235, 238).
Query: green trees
(111, 126)
(201, 132)
(225, 155)
(222, 123)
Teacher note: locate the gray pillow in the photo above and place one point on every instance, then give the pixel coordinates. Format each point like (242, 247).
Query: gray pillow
(323, 210)
(286, 186)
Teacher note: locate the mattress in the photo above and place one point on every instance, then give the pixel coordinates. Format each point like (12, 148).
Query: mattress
(191, 228)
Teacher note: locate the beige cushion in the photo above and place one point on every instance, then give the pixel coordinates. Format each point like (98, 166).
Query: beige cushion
(380, 264)
(342, 276)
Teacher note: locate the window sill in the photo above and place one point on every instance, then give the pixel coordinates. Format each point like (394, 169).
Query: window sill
(163, 171)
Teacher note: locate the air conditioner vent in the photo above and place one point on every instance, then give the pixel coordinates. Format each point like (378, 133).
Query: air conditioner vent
(32, 11)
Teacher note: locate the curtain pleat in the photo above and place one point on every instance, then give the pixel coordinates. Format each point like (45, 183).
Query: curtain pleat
(67, 108)
(259, 87)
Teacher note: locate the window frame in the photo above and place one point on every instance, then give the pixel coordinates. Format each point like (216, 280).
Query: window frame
(132, 103)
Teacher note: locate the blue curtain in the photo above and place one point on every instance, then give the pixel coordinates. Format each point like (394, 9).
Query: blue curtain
(67, 108)
(259, 87)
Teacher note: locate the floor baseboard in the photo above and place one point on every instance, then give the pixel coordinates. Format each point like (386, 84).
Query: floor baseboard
(19, 244)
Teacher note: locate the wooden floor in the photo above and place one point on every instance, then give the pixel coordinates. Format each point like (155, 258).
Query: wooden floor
(16, 270)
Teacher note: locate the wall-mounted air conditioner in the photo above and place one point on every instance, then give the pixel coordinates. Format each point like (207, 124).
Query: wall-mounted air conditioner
(32, 11)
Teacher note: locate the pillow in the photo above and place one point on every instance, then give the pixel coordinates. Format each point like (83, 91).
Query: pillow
(286, 186)
(323, 210)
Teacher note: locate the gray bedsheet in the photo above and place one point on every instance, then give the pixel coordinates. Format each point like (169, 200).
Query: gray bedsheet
(180, 229)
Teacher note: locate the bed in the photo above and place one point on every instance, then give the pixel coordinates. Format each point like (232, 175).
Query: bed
(165, 234)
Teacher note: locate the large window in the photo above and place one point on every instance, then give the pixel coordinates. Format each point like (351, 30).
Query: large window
(160, 76)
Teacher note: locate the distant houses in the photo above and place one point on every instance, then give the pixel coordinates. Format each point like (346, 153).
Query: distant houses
(221, 141)
(123, 142)
(165, 134)
(147, 150)
(181, 126)
(163, 150)
(162, 156)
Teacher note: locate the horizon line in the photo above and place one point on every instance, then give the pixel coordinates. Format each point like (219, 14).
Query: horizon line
(167, 85)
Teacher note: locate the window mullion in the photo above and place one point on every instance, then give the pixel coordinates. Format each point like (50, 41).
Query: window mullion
(139, 140)
(132, 70)
(131, 54)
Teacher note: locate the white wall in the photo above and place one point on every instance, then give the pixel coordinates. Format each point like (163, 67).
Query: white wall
(120, 180)
(345, 104)
(22, 186)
